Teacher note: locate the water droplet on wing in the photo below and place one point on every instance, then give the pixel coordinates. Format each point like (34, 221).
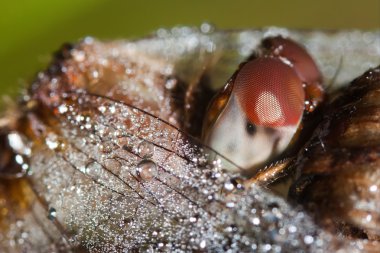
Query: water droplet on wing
(146, 170)
(52, 213)
(145, 149)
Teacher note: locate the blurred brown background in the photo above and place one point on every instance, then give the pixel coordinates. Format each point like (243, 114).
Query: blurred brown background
(32, 30)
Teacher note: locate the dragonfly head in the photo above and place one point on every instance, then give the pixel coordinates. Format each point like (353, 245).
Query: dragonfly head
(261, 115)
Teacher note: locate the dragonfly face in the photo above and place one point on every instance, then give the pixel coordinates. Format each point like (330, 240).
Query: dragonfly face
(111, 170)
(266, 103)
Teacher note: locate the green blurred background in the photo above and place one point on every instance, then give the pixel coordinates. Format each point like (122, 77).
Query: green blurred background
(31, 30)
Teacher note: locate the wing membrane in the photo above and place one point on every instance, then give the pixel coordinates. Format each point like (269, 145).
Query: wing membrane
(103, 203)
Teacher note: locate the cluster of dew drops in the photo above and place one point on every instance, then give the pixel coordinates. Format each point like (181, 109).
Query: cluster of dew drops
(146, 169)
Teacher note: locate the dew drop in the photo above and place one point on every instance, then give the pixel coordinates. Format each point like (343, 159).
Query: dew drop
(112, 109)
(95, 74)
(28, 170)
(230, 204)
(88, 126)
(256, 221)
(102, 109)
(202, 245)
(79, 118)
(18, 143)
(170, 83)
(88, 40)
(62, 109)
(207, 28)
(52, 213)
(51, 141)
(146, 170)
(217, 163)
(373, 188)
(94, 169)
(23, 161)
(129, 71)
(267, 247)
(145, 149)
(292, 229)
(308, 239)
(78, 56)
(19, 159)
(229, 186)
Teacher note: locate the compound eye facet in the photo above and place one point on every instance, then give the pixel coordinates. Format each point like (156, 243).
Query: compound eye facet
(301, 60)
(270, 93)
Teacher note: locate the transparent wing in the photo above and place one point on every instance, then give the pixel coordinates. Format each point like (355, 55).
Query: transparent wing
(126, 180)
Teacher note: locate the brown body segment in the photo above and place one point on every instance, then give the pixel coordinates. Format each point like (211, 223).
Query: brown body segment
(339, 169)
(132, 78)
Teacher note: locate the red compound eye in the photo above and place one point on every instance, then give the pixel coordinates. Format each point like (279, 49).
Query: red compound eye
(269, 92)
(302, 62)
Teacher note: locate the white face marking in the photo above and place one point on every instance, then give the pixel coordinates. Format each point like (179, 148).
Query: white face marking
(230, 138)
(268, 108)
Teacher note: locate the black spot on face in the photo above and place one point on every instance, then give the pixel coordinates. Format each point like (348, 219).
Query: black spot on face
(250, 128)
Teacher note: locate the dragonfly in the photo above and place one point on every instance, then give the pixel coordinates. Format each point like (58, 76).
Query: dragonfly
(102, 154)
